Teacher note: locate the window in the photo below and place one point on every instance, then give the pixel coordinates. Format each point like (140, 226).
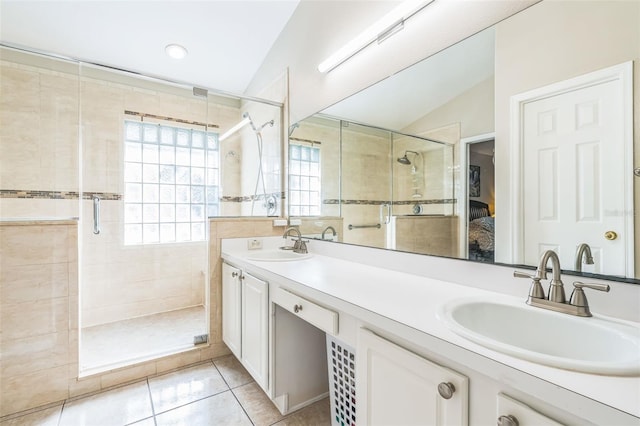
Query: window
(171, 181)
(304, 180)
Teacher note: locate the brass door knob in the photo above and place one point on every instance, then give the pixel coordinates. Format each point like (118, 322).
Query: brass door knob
(610, 235)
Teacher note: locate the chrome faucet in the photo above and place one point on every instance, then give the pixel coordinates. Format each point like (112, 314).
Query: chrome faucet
(583, 254)
(556, 287)
(299, 245)
(556, 300)
(331, 228)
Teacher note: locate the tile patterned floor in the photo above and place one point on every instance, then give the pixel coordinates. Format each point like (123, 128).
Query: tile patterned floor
(139, 338)
(217, 392)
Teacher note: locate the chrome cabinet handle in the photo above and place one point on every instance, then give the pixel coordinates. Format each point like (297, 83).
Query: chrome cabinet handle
(508, 420)
(297, 308)
(96, 214)
(446, 390)
(234, 274)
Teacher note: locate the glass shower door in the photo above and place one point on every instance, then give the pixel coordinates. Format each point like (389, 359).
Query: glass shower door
(145, 151)
(366, 184)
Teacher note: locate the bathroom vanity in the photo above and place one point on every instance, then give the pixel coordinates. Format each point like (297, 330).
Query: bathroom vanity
(410, 367)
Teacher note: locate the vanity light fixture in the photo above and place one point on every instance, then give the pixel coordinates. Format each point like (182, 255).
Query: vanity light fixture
(234, 129)
(175, 51)
(389, 25)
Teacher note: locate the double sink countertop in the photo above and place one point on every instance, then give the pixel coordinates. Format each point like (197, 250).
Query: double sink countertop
(362, 290)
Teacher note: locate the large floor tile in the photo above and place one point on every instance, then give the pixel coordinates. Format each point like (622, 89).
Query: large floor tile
(232, 371)
(221, 409)
(119, 406)
(184, 386)
(47, 417)
(146, 422)
(317, 414)
(258, 406)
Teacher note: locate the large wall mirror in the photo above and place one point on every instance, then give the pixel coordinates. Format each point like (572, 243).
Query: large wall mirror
(516, 140)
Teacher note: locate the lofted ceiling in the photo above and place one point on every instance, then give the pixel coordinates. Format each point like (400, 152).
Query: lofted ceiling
(227, 41)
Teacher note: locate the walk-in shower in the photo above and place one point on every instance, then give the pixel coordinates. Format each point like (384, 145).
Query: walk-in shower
(133, 164)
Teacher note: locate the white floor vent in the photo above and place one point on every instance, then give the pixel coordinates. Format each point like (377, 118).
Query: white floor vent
(342, 382)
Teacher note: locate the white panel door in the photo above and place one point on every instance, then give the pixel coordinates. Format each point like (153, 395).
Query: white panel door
(255, 332)
(397, 387)
(572, 194)
(231, 308)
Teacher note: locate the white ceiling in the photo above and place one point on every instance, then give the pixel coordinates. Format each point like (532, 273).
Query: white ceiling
(227, 40)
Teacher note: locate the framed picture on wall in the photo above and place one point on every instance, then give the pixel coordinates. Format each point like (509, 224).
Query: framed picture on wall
(474, 181)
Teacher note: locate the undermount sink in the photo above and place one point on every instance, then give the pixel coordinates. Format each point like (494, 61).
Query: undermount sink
(277, 255)
(590, 345)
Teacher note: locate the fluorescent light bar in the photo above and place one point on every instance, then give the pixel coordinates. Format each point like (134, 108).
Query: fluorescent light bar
(389, 24)
(234, 129)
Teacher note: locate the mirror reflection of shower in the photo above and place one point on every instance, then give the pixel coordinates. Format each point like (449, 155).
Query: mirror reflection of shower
(416, 173)
(269, 201)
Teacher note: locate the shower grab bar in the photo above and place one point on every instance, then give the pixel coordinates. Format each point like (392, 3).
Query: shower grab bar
(96, 215)
(377, 225)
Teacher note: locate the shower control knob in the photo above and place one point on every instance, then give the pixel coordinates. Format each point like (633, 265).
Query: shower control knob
(446, 390)
(508, 420)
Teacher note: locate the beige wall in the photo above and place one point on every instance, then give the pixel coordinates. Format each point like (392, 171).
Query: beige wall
(38, 308)
(550, 42)
(474, 110)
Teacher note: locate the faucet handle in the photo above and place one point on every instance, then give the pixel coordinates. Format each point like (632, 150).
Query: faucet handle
(536, 291)
(578, 298)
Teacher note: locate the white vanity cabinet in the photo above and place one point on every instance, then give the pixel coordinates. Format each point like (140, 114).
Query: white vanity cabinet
(396, 386)
(245, 320)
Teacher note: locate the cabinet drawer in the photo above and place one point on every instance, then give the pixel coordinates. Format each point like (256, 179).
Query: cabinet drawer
(322, 318)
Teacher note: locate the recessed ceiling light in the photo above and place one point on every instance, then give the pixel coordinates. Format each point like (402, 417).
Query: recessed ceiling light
(175, 51)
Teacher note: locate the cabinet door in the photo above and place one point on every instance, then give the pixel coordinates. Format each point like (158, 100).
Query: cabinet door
(231, 308)
(255, 332)
(397, 387)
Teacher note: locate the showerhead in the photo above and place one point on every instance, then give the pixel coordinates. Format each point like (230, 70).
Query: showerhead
(404, 160)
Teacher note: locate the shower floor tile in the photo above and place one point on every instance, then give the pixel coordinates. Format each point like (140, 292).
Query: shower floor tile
(119, 342)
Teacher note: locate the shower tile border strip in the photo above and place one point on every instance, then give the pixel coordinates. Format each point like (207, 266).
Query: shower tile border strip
(57, 195)
(106, 196)
(381, 202)
(111, 196)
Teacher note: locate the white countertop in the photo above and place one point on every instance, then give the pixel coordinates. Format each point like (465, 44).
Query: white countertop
(413, 301)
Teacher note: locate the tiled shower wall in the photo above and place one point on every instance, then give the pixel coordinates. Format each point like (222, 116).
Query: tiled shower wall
(43, 103)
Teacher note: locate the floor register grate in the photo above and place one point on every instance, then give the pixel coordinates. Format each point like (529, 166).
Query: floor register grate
(342, 382)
